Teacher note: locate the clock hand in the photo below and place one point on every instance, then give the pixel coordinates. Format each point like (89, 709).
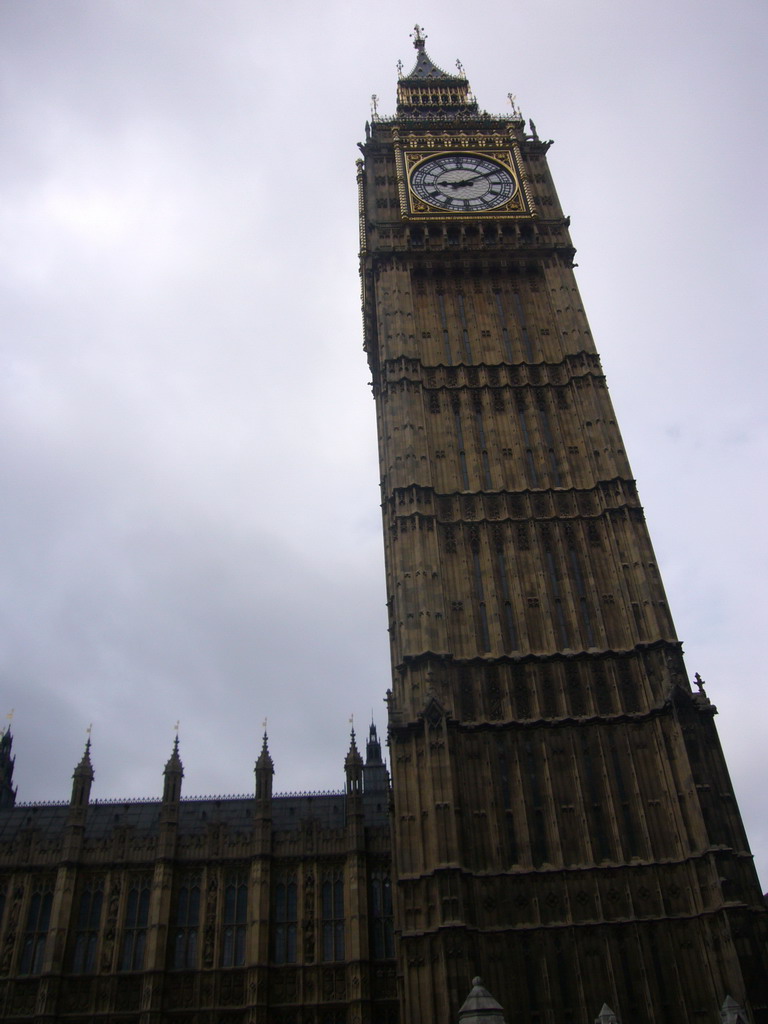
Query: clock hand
(454, 184)
(466, 181)
(484, 174)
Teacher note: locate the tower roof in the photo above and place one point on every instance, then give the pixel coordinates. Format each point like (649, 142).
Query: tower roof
(425, 68)
(480, 1007)
(264, 761)
(353, 757)
(84, 769)
(173, 764)
(428, 91)
(373, 747)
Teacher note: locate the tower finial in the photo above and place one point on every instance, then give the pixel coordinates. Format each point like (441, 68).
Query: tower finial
(82, 777)
(264, 769)
(85, 761)
(418, 38)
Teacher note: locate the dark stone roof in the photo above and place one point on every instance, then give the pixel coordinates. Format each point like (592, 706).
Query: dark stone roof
(196, 815)
(426, 70)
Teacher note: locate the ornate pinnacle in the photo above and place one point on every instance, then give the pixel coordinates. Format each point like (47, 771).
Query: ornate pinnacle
(418, 38)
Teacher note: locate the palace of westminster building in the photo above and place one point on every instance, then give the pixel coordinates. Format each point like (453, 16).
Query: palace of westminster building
(559, 817)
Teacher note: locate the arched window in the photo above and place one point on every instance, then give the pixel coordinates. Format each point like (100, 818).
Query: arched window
(333, 915)
(234, 921)
(382, 934)
(36, 931)
(286, 920)
(87, 927)
(187, 924)
(135, 925)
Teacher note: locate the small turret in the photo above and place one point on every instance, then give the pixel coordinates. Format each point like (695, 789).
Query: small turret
(82, 779)
(173, 773)
(606, 1016)
(375, 774)
(480, 1007)
(264, 772)
(7, 761)
(353, 768)
(373, 747)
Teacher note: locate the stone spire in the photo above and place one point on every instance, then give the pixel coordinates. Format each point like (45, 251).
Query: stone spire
(264, 772)
(7, 761)
(353, 768)
(480, 1007)
(82, 779)
(173, 773)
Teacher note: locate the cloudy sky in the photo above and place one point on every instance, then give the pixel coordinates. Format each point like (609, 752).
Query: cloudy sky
(190, 523)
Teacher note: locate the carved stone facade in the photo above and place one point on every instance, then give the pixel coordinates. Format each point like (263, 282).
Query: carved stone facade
(563, 820)
(260, 910)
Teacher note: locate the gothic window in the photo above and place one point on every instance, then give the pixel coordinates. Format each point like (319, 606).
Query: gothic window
(38, 919)
(235, 916)
(135, 925)
(466, 691)
(87, 927)
(286, 920)
(187, 924)
(382, 936)
(333, 916)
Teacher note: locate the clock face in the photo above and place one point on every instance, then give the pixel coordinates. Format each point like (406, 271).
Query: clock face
(463, 183)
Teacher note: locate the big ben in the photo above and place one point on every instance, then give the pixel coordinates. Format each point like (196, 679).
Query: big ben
(563, 820)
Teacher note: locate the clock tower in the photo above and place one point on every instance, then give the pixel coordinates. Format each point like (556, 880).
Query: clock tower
(563, 820)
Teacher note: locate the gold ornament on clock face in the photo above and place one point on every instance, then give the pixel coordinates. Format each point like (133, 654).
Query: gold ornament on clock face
(463, 183)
